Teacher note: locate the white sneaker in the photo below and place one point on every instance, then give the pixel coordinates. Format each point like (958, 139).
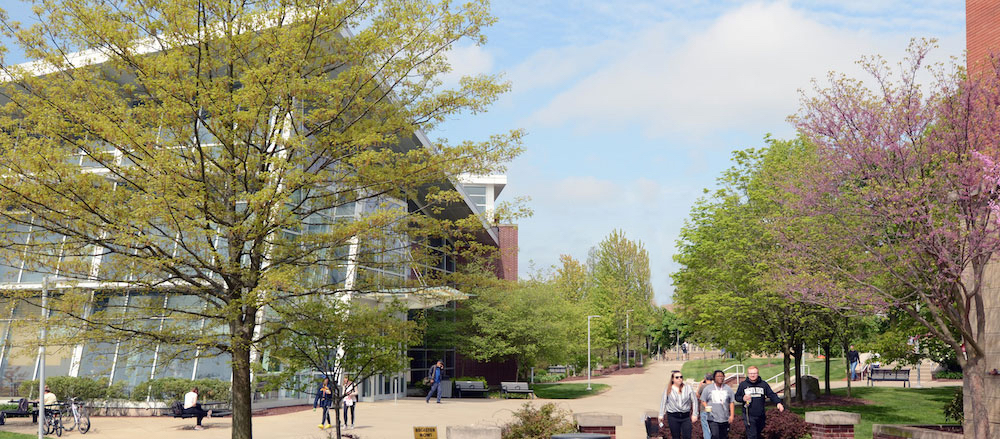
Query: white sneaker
(198, 427)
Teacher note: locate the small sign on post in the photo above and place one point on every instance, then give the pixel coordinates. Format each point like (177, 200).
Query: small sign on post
(425, 433)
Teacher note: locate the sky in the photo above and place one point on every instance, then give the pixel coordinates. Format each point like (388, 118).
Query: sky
(632, 108)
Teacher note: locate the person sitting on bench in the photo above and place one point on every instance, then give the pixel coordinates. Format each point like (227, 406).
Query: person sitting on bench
(192, 407)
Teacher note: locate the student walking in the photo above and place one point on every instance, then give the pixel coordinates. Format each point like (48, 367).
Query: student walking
(718, 400)
(350, 398)
(853, 358)
(705, 431)
(435, 375)
(679, 407)
(752, 392)
(324, 397)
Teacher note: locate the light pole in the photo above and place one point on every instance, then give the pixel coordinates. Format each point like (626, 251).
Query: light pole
(41, 359)
(588, 350)
(628, 354)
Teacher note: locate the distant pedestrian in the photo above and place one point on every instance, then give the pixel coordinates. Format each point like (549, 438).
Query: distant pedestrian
(323, 400)
(349, 401)
(718, 400)
(435, 375)
(679, 407)
(706, 432)
(752, 392)
(853, 358)
(684, 350)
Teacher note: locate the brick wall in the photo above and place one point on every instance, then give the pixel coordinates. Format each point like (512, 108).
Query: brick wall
(507, 265)
(831, 431)
(982, 32)
(600, 430)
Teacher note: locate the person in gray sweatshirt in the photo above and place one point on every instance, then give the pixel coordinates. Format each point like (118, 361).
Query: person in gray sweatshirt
(719, 401)
(679, 407)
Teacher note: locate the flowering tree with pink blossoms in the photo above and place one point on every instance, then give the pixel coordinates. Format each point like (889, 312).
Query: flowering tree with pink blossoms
(898, 212)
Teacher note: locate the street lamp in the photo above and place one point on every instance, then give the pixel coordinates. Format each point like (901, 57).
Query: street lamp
(588, 350)
(628, 354)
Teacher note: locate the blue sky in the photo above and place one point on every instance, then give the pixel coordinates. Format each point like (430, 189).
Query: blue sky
(633, 108)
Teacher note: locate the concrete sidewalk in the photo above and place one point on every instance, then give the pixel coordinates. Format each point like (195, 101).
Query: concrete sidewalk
(629, 396)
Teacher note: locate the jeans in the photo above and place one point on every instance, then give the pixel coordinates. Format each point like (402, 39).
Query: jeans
(705, 430)
(680, 425)
(351, 407)
(326, 414)
(756, 427)
(719, 429)
(854, 365)
(436, 387)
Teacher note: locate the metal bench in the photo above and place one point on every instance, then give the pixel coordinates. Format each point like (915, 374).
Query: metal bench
(177, 411)
(889, 375)
(22, 410)
(471, 388)
(509, 387)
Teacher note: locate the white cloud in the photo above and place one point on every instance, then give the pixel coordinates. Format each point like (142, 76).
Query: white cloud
(740, 72)
(467, 60)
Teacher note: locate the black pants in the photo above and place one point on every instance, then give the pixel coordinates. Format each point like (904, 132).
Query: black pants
(346, 408)
(197, 411)
(719, 429)
(756, 427)
(680, 425)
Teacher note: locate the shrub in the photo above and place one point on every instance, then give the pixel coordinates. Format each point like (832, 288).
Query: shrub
(948, 375)
(65, 387)
(173, 389)
(780, 425)
(549, 377)
(541, 423)
(955, 409)
(480, 379)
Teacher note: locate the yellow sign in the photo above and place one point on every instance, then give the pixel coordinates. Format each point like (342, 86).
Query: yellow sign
(425, 433)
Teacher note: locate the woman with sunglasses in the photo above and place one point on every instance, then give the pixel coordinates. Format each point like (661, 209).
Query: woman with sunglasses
(679, 406)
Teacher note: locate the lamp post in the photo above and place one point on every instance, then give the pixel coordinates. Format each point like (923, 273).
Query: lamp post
(41, 359)
(628, 354)
(588, 350)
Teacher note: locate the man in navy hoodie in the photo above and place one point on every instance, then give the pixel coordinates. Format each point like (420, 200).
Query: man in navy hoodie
(752, 392)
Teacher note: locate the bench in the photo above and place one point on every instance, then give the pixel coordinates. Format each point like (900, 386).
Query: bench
(509, 387)
(470, 387)
(177, 411)
(889, 375)
(22, 410)
(557, 369)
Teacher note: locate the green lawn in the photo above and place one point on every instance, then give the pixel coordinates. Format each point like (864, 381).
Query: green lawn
(769, 367)
(567, 390)
(8, 435)
(893, 406)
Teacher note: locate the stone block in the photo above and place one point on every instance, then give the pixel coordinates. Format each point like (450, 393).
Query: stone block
(472, 432)
(598, 419)
(832, 417)
(810, 388)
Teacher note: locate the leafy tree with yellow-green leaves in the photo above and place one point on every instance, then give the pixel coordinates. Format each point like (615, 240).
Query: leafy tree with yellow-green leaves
(230, 155)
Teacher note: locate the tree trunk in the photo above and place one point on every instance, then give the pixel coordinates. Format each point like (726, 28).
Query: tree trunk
(977, 423)
(826, 365)
(797, 351)
(242, 426)
(336, 414)
(786, 357)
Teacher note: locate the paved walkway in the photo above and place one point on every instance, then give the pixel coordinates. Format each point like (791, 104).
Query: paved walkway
(629, 396)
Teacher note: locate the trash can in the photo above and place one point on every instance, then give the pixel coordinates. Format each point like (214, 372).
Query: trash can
(582, 436)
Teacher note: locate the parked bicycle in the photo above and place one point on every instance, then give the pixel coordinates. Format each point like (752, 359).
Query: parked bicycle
(53, 421)
(76, 415)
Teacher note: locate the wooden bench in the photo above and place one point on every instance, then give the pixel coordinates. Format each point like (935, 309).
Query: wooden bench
(471, 388)
(889, 375)
(509, 387)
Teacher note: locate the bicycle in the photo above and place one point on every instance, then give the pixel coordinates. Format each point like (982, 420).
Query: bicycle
(53, 422)
(77, 415)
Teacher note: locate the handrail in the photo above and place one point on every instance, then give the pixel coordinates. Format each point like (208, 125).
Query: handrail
(805, 367)
(740, 370)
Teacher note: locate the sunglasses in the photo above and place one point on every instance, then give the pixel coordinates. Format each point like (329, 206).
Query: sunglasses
(678, 376)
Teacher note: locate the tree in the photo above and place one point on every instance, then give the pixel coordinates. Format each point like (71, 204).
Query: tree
(529, 322)
(339, 339)
(621, 289)
(901, 190)
(571, 278)
(233, 157)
